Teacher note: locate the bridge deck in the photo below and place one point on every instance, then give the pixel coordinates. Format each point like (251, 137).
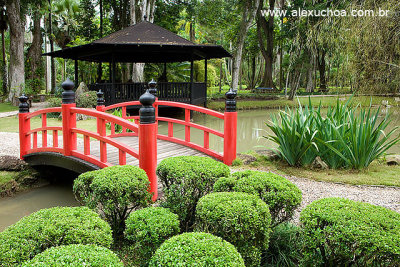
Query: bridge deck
(165, 150)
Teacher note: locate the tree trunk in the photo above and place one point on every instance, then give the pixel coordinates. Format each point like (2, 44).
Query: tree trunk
(17, 31)
(321, 68)
(310, 75)
(35, 50)
(4, 66)
(52, 65)
(268, 29)
(249, 13)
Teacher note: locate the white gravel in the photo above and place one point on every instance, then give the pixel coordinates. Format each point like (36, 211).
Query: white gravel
(9, 144)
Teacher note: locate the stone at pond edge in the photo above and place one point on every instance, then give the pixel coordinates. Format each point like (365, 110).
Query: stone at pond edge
(246, 159)
(269, 154)
(10, 163)
(393, 160)
(82, 88)
(318, 163)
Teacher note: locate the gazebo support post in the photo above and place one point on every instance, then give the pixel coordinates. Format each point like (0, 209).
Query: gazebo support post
(76, 72)
(112, 79)
(205, 81)
(191, 81)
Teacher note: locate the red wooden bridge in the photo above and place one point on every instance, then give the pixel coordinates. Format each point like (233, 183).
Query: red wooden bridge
(130, 140)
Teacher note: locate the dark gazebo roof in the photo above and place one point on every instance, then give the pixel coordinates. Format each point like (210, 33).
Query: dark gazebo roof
(144, 42)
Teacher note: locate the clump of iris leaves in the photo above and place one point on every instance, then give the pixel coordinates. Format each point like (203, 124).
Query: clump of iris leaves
(346, 137)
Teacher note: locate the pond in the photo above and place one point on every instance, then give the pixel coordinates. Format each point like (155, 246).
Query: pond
(251, 128)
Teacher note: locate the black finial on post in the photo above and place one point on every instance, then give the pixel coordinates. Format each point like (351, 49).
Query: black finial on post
(68, 96)
(23, 105)
(230, 102)
(152, 87)
(147, 113)
(100, 98)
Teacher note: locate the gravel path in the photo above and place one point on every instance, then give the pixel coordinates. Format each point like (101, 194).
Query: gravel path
(388, 197)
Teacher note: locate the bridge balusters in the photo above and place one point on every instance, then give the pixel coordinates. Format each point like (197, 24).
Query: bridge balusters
(24, 125)
(68, 118)
(124, 117)
(206, 140)
(44, 132)
(86, 145)
(148, 140)
(55, 138)
(187, 128)
(230, 127)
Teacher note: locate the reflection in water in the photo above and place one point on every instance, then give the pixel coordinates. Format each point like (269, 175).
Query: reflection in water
(14, 208)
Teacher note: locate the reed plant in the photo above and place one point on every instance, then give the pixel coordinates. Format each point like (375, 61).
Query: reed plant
(346, 137)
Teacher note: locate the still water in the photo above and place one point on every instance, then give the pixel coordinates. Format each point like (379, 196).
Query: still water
(251, 129)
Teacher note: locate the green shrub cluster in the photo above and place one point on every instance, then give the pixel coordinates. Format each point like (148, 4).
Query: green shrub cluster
(52, 227)
(281, 195)
(114, 192)
(345, 138)
(197, 249)
(148, 228)
(185, 180)
(86, 99)
(241, 219)
(342, 232)
(75, 256)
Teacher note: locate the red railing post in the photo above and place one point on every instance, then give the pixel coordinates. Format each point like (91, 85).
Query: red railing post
(148, 140)
(68, 118)
(230, 127)
(24, 126)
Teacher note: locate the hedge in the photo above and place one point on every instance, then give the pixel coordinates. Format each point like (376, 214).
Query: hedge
(114, 192)
(196, 249)
(281, 195)
(239, 218)
(75, 256)
(148, 228)
(52, 227)
(343, 232)
(185, 180)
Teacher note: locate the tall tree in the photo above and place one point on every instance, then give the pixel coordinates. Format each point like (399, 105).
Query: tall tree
(249, 10)
(266, 28)
(17, 31)
(139, 9)
(34, 55)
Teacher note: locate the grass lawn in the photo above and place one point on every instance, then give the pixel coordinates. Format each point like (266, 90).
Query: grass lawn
(378, 173)
(5, 107)
(281, 103)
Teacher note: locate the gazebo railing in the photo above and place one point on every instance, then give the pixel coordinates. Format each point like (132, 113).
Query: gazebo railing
(169, 91)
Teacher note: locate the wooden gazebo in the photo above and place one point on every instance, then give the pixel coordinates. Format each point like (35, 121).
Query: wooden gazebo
(145, 42)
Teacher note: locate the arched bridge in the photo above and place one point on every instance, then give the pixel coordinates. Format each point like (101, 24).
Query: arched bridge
(123, 139)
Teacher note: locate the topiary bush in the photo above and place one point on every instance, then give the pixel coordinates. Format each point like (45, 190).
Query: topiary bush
(185, 180)
(114, 192)
(75, 256)
(281, 195)
(52, 227)
(148, 228)
(196, 249)
(342, 232)
(239, 218)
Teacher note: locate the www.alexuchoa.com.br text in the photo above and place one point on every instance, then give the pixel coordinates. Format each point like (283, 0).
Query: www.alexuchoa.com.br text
(325, 13)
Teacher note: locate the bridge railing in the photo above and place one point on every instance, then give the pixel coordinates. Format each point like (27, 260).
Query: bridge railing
(229, 135)
(145, 126)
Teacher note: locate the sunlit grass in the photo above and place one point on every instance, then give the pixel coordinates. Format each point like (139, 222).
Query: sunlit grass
(5, 107)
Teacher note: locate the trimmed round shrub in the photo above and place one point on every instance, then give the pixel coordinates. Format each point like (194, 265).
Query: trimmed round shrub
(239, 218)
(342, 232)
(196, 249)
(114, 192)
(75, 256)
(52, 227)
(281, 195)
(148, 228)
(185, 180)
